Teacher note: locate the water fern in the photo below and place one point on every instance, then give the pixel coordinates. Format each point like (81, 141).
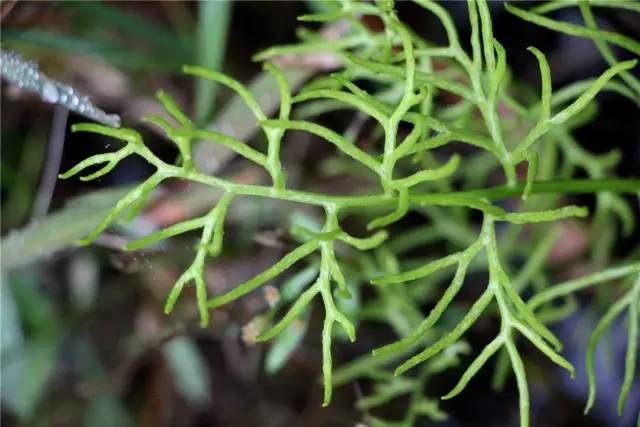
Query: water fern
(408, 178)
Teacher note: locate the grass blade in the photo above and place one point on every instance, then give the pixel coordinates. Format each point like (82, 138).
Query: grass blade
(213, 24)
(58, 230)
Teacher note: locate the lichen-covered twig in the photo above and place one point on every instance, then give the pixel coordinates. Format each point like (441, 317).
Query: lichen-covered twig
(26, 75)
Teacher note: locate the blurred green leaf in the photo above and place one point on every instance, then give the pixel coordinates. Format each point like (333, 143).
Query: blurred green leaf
(27, 365)
(189, 370)
(11, 337)
(26, 374)
(59, 230)
(293, 286)
(108, 17)
(213, 24)
(431, 408)
(23, 179)
(108, 50)
(105, 410)
(157, 47)
(322, 6)
(285, 343)
(36, 310)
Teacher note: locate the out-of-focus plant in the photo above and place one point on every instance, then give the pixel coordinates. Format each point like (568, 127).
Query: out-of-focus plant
(403, 163)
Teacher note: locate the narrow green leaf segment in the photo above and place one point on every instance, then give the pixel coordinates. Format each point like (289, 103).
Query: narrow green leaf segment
(413, 167)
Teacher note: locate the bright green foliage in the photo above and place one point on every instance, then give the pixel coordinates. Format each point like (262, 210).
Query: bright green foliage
(408, 176)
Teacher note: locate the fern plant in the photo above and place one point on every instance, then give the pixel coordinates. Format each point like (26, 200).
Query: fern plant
(406, 169)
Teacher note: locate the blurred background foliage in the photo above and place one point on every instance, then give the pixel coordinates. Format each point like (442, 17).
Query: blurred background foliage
(84, 340)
